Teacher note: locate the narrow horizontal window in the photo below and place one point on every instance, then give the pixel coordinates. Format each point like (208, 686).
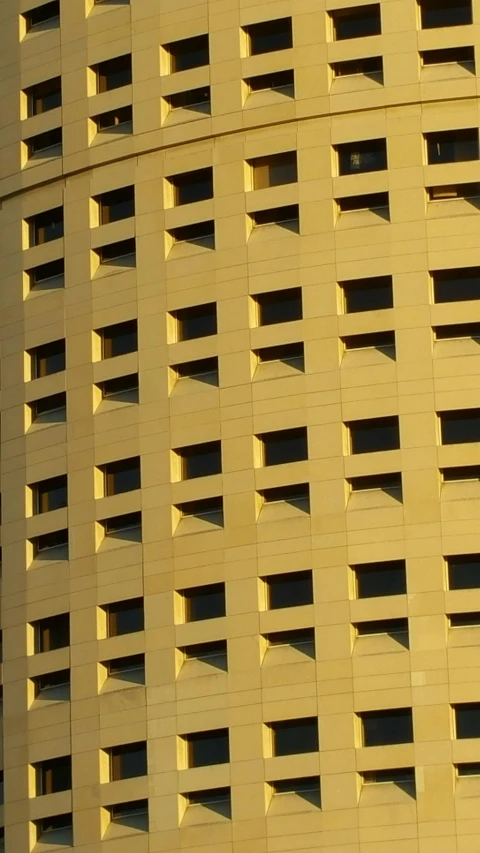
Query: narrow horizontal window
(367, 294)
(216, 799)
(468, 769)
(460, 473)
(464, 620)
(48, 144)
(203, 370)
(302, 639)
(120, 388)
(124, 665)
(44, 16)
(52, 409)
(206, 508)
(371, 201)
(51, 545)
(397, 776)
(56, 830)
(287, 353)
(379, 579)
(192, 99)
(382, 626)
(370, 66)
(52, 685)
(120, 119)
(449, 56)
(451, 146)
(457, 331)
(445, 13)
(300, 787)
(385, 482)
(374, 340)
(123, 524)
(133, 813)
(122, 253)
(275, 81)
(453, 191)
(297, 495)
(365, 156)
(214, 652)
(276, 216)
(198, 234)
(47, 275)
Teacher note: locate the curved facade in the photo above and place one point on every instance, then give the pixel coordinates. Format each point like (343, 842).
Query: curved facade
(240, 313)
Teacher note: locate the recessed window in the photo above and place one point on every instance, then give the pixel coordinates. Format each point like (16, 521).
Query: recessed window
(51, 633)
(196, 321)
(445, 13)
(116, 205)
(290, 354)
(377, 482)
(285, 445)
(190, 187)
(124, 617)
(269, 36)
(121, 476)
(47, 359)
(53, 775)
(370, 66)
(49, 495)
(126, 668)
(119, 339)
(44, 96)
(188, 53)
(460, 473)
(297, 495)
(286, 216)
(457, 331)
(368, 294)
(47, 275)
(460, 427)
(51, 546)
(217, 800)
(292, 737)
(356, 22)
(382, 626)
(204, 602)
(214, 653)
(193, 99)
(379, 579)
(198, 234)
(206, 748)
(302, 639)
(275, 81)
(464, 620)
(128, 526)
(122, 388)
(374, 340)
(53, 686)
(279, 306)
(452, 146)
(132, 814)
(453, 191)
(115, 121)
(45, 227)
(48, 144)
(114, 73)
(381, 728)
(467, 720)
(274, 170)
(307, 787)
(292, 589)
(200, 460)
(56, 830)
(463, 571)
(366, 156)
(397, 776)
(374, 435)
(206, 509)
(128, 761)
(202, 370)
(122, 253)
(468, 769)
(42, 17)
(52, 409)
(370, 201)
(449, 56)
(458, 285)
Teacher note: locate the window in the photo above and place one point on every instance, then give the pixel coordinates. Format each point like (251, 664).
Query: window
(216, 799)
(192, 99)
(463, 571)
(366, 156)
(292, 737)
(119, 339)
(277, 216)
(44, 96)
(204, 602)
(45, 227)
(122, 253)
(460, 473)
(460, 427)
(121, 476)
(448, 56)
(371, 66)
(53, 775)
(453, 191)
(373, 435)
(445, 13)
(371, 201)
(384, 482)
(379, 579)
(51, 633)
(116, 205)
(307, 787)
(374, 340)
(47, 275)
(190, 187)
(274, 170)
(127, 761)
(51, 546)
(127, 667)
(52, 685)
(55, 830)
(133, 814)
(292, 589)
(468, 769)
(45, 144)
(275, 81)
(356, 22)
(128, 526)
(464, 620)
(451, 146)
(47, 359)
(467, 720)
(297, 495)
(52, 409)
(279, 306)
(121, 388)
(200, 460)
(188, 53)
(49, 495)
(368, 294)
(124, 617)
(196, 321)
(198, 234)
(46, 15)
(203, 370)
(114, 73)
(381, 728)
(208, 509)
(206, 748)
(303, 640)
(119, 120)
(269, 36)
(457, 331)
(392, 627)
(284, 445)
(460, 285)
(214, 653)
(398, 776)
(292, 354)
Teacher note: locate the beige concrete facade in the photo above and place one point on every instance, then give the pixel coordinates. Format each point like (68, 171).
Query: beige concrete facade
(415, 361)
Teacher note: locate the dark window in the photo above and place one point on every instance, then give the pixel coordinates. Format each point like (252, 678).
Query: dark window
(460, 285)
(303, 640)
(467, 720)
(119, 339)
(114, 73)
(287, 353)
(460, 473)
(445, 13)
(296, 495)
(128, 525)
(198, 99)
(464, 620)
(368, 294)
(307, 787)
(188, 53)
(117, 204)
(365, 156)
(197, 321)
(374, 340)
(356, 22)
(203, 370)
(47, 359)
(371, 201)
(274, 170)
(49, 143)
(55, 830)
(199, 234)
(51, 545)
(382, 626)
(216, 799)
(118, 667)
(133, 814)
(122, 253)
(279, 306)
(381, 728)
(453, 191)
(276, 216)
(214, 653)
(120, 387)
(200, 460)
(469, 769)
(122, 476)
(190, 187)
(374, 435)
(449, 55)
(52, 684)
(276, 81)
(284, 445)
(45, 227)
(379, 579)
(460, 427)
(450, 146)
(384, 482)
(128, 760)
(51, 409)
(370, 66)
(399, 776)
(459, 330)
(124, 617)
(268, 36)
(119, 119)
(44, 96)
(210, 509)
(292, 589)
(205, 748)
(52, 633)
(204, 602)
(53, 775)
(47, 275)
(47, 13)
(291, 737)
(464, 571)
(49, 495)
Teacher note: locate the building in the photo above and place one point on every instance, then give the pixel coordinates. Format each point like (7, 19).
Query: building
(240, 323)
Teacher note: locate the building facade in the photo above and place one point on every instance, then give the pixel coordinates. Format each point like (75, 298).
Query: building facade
(240, 426)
